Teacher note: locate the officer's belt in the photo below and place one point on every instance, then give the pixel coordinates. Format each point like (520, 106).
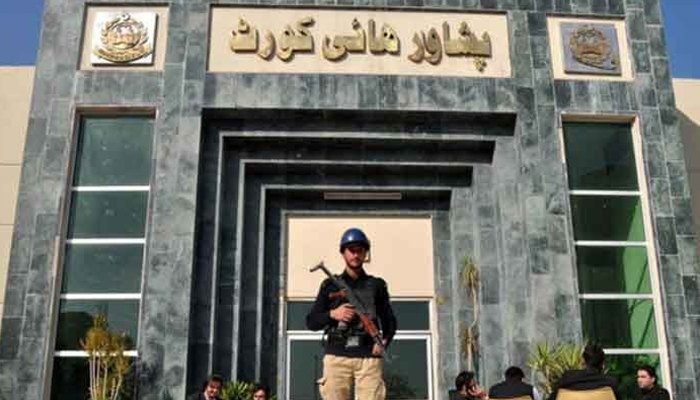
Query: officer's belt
(342, 340)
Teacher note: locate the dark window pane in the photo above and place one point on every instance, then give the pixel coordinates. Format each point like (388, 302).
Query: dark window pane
(76, 317)
(71, 380)
(624, 369)
(412, 315)
(296, 315)
(619, 323)
(613, 270)
(108, 215)
(607, 218)
(114, 151)
(600, 156)
(305, 368)
(103, 268)
(406, 374)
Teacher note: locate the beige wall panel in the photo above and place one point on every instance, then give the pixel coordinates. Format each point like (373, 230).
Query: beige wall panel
(9, 184)
(15, 98)
(402, 252)
(687, 93)
(339, 22)
(557, 51)
(160, 43)
(5, 243)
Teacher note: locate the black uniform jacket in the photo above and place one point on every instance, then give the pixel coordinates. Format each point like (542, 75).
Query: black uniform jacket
(584, 379)
(511, 389)
(375, 296)
(654, 393)
(199, 396)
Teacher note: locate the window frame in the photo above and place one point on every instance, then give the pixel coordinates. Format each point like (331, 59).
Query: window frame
(62, 241)
(634, 123)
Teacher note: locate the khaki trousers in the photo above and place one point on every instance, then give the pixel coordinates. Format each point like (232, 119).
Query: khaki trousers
(340, 373)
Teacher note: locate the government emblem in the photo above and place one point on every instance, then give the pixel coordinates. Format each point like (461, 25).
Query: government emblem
(591, 49)
(123, 38)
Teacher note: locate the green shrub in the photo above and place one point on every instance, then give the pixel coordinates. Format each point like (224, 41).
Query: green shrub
(551, 361)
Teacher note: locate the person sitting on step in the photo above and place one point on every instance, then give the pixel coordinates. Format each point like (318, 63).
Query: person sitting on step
(514, 387)
(589, 383)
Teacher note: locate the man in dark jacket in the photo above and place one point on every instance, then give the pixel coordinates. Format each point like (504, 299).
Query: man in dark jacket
(467, 388)
(589, 378)
(211, 390)
(513, 387)
(351, 356)
(649, 389)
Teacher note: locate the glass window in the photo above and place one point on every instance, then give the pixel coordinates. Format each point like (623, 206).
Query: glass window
(305, 368)
(103, 268)
(406, 372)
(600, 157)
(613, 270)
(617, 218)
(108, 215)
(620, 323)
(76, 316)
(114, 151)
(71, 379)
(296, 314)
(623, 367)
(412, 315)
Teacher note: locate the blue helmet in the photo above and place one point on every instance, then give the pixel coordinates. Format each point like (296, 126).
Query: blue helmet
(353, 236)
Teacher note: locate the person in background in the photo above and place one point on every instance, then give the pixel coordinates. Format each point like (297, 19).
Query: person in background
(513, 387)
(211, 390)
(261, 392)
(589, 378)
(467, 388)
(649, 389)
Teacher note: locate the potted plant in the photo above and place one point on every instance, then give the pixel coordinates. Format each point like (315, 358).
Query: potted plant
(237, 390)
(107, 363)
(471, 280)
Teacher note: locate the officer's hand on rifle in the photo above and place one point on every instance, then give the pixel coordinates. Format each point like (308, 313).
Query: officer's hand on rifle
(345, 312)
(376, 350)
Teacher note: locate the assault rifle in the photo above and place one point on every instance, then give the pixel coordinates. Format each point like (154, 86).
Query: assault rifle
(360, 308)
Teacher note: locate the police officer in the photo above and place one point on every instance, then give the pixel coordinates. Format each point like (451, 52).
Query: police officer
(351, 356)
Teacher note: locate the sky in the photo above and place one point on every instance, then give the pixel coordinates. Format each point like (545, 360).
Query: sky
(20, 22)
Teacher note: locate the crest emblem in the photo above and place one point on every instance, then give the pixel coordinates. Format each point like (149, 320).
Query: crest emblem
(124, 39)
(591, 48)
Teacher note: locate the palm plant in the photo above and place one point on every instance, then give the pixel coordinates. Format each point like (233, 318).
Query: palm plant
(471, 280)
(237, 390)
(551, 361)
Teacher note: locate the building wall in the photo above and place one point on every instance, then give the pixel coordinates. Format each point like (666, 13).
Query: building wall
(514, 216)
(688, 104)
(14, 113)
